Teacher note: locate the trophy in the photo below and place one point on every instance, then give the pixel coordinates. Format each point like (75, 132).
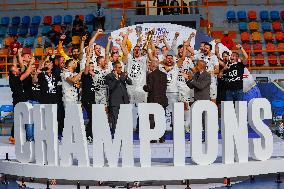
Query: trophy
(149, 37)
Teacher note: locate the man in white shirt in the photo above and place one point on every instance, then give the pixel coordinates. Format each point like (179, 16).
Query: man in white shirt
(70, 82)
(136, 67)
(100, 81)
(212, 66)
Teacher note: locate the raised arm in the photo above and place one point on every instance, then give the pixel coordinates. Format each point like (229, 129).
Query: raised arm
(239, 46)
(217, 50)
(27, 72)
(75, 78)
(94, 38)
(180, 61)
(150, 54)
(139, 39)
(174, 43)
(82, 46)
(190, 49)
(87, 67)
(164, 39)
(21, 62)
(124, 51)
(60, 48)
(108, 49)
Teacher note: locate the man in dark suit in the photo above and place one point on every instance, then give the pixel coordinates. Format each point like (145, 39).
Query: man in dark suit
(200, 81)
(156, 87)
(117, 91)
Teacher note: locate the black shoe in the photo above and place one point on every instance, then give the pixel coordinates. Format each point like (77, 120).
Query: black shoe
(162, 140)
(153, 141)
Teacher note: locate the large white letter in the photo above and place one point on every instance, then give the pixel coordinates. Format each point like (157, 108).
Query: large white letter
(123, 138)
(261, 148)
(179, 136)
(211, 132)
(74, 141)
(234, 132)
(23, 115)
(46, 134)
(145, 133)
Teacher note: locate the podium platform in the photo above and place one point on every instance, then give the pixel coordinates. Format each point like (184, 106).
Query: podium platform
(161, 151)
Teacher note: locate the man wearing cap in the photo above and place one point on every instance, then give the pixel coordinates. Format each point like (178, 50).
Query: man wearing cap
(227, 40)
(15, 45)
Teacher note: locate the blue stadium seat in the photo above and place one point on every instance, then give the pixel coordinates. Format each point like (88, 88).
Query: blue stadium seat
(36, 20)
(33, 30)
(231, 15)
(16, 21)
(242, 15)
(264, 15)
(5, 21)
(277, 107)
(274, 15)
(29, 42)
(6, 109)
(266, 26)
(67, 19)
(89, 19)
(23, 31)
(90, 28)
(3, 31)
(57, 19)
(243, 26)
(21, 40)
(13, 31)
(45, 29)
(26, 20)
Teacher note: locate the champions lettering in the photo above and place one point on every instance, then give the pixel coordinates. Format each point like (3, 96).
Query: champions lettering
(236, 146)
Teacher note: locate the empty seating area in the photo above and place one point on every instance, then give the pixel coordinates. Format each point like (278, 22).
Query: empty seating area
(262, 34)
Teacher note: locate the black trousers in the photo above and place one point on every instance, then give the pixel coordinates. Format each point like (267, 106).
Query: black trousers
(114, 111)
(12, 131)
(60, 117)
(88, 107)
(152, 122)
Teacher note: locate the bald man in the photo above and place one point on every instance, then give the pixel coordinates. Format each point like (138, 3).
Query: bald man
(200, 81)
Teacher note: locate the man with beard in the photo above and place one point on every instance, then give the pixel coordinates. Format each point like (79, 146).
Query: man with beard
(16, 78)
(136, 67)
(74, 53)
(69, 80)
(95, 47)
(116, 82)
(101, 71)
(187, 65)
(51, 92)
(114, 56)
(172, 70)
(88, 93)
(26, 60)
(212, 66)
(234, 76)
